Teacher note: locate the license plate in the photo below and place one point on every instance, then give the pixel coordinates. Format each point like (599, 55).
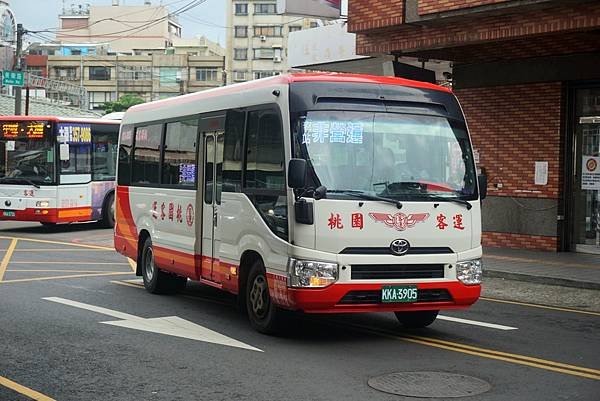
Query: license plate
(8, 213)
(395, 293)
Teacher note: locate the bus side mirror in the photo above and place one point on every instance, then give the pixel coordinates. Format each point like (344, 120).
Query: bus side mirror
(482, 180)
(297, 173)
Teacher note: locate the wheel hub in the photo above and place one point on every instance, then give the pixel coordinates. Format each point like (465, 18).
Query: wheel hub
(149, 264)
(259, 297)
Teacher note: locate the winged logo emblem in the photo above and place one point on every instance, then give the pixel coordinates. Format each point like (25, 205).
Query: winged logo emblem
(399, 221)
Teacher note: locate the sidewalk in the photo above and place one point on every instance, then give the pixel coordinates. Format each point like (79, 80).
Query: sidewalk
(567, 269)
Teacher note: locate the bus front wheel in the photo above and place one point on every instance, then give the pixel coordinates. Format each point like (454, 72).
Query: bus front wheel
(157, 281)
(263, 314)
(418, 319)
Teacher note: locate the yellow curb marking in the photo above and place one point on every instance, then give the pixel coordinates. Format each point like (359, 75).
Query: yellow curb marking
(22, 280)
(34, 395)
(541, 306)
(7, 256)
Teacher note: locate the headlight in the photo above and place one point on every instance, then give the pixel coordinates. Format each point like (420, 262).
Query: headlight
(42, 204)
(309, 273)
(469, 272)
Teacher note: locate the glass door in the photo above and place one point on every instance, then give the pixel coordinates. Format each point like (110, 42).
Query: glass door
(586, 203)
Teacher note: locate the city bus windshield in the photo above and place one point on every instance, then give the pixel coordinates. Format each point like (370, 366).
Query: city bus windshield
(27, 153)
(396, 156)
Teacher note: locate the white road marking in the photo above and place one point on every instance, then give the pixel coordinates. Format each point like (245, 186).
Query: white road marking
(170, 325)
(476, 323)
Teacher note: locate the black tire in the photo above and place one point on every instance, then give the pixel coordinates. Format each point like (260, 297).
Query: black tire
(418, 319)
(263, 314)
(157, 281)
(108, 211)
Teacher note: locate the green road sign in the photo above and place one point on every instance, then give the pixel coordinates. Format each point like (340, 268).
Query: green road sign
(15, 78)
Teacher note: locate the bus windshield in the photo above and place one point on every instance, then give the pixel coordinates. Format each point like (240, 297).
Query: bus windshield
(27, 152)
(399, 156)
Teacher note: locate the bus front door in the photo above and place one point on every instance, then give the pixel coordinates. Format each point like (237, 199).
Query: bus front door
(213, 162)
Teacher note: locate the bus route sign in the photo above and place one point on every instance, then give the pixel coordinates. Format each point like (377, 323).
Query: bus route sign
(15, 78)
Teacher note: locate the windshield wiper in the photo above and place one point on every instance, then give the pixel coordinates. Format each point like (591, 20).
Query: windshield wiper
(455, 200)
(363, 195)
(17, 179)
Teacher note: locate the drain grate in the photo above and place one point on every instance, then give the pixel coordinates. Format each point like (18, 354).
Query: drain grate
(429, 384)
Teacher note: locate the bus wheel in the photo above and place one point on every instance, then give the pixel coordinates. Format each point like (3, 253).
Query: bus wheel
(262, 313)
(155, 280)
(415, 320)
(108, 211)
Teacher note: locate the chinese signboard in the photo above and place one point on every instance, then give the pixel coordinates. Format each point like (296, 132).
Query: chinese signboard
(15, 78)
(590, 173)
(75, 133)
(24, 129)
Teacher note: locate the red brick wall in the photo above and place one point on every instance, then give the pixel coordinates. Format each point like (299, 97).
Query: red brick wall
(436, 6)
(512, 127)
(373, 14)
(520, 241)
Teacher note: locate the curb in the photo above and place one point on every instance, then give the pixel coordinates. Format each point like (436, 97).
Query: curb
(563, 282)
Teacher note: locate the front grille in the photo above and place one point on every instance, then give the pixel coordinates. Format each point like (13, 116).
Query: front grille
(425, 250)
(374, 296)
(387, 272)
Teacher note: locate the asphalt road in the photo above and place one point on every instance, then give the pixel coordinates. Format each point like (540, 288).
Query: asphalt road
(57, 344)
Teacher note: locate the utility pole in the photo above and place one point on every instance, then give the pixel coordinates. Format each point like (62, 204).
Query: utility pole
(20, 32)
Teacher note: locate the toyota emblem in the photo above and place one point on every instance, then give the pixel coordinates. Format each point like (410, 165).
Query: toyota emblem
(399, 247)
(7, 203)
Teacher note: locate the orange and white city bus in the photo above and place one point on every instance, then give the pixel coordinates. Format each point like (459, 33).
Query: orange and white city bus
(321, 193)
(57, 169)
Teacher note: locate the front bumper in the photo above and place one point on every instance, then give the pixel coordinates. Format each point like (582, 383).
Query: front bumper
(348, 297)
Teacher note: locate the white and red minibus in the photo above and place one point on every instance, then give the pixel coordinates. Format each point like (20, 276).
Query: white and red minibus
(57, 169)
(321, 193)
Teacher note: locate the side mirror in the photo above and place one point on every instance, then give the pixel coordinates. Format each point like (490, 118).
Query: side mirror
(297, 173)
(482, 181)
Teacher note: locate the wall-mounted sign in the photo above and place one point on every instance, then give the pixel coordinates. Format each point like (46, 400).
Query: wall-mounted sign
(310, 8)
(541, 173)
(590, 172)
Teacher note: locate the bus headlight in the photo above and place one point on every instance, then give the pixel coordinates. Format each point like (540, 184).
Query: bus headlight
(312, 274)
(469, 272)
(42, 204)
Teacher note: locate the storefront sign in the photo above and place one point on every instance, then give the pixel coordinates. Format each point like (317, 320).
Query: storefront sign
(590, 173)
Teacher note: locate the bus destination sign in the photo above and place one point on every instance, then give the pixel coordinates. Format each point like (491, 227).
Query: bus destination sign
(23, 129)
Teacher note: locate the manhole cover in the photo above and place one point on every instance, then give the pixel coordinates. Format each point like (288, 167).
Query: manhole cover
(429, 384)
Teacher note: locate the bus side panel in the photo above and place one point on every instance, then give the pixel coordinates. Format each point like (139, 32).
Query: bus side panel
(126, 233)
(74, 203)
(99, 191)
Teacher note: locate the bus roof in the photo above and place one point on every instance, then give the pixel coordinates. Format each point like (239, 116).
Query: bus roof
(285, 80)
(59, 119)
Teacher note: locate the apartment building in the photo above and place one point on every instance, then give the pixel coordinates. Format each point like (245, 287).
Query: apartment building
(124, 28)
(257, 39)
(150, 77)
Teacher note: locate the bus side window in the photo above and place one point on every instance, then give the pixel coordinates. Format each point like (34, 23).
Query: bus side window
(125, 147)
(232, 159)
(146, 154)
(179, 166)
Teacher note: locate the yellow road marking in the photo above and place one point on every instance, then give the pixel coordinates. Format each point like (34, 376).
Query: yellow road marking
(20, 262)
(539, 261)
(22, 280)
(61, 271)
(34, 395)
(486, 353)
(43, 241)
(541, 306)
(133, 264)
(127, 284)
(7, 256)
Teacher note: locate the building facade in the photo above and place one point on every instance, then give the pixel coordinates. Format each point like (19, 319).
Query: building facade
(120, 27)
(526, 73)
(150, 77)
(257, 39)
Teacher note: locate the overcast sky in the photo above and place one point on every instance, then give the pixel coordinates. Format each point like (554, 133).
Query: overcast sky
(206, 19)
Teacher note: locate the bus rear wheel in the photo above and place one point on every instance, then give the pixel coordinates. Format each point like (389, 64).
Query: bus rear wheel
(263, 314)
(418, 319)
(108, 211)
(157, 281)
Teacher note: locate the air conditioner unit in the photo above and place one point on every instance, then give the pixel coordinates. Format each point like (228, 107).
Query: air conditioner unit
(263, 38)
(277, 59)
